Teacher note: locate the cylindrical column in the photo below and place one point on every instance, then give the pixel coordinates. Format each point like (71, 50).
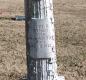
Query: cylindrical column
(40, 40)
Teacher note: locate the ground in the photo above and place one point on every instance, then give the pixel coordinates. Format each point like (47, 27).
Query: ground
(70, 28)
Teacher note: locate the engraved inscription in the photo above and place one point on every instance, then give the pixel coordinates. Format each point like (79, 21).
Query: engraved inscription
(41, 38)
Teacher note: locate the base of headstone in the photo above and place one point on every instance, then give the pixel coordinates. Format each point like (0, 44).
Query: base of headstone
(58, 78)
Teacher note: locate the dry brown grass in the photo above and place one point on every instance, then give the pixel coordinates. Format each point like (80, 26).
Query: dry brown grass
(70, 25)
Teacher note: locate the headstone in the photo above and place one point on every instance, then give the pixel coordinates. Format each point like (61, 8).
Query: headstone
(40, 40)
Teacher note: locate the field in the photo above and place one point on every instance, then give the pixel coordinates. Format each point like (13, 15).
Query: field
(70, 28)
